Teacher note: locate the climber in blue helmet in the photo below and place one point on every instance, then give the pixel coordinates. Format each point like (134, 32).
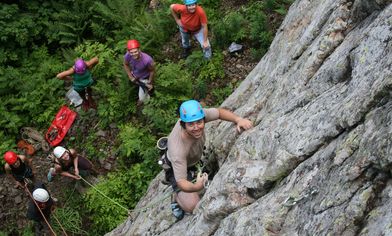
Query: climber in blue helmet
(185, 148)
(192, 21)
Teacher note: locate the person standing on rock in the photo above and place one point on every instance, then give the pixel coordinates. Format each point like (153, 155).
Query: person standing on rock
(43, 201)
(185, 148)
(19, 167)
(140, 69)
(65, 160)
(82, 80)
(192, 21)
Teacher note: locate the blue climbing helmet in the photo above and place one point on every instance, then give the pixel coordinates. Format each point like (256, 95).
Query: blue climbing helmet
(191, 111)
(190, 2)
(80, 66)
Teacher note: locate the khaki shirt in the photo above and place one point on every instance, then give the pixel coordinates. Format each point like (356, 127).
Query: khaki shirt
(184, 151)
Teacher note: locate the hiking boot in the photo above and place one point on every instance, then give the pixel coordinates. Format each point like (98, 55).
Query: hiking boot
(177, 211)
(50, 176)
(185, 53)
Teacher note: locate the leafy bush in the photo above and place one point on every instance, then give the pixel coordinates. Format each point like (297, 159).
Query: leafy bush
(137, 143)
(125, 188)
(219, 95)
(205, 72)
(104, 214)
(153, 30)
(232, 28)
(173, 84)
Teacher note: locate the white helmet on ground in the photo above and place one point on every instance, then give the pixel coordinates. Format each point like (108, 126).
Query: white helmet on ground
(41, 195)
(59, 151)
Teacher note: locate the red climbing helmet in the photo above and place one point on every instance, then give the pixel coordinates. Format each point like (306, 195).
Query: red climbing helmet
(133, 43)
(10, 157)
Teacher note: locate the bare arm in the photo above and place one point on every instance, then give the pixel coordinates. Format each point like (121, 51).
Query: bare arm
(189, 187)
(175, 15)
(66, 74)
(230, 116)
(67, 174)
(75, 160)
(92, 62)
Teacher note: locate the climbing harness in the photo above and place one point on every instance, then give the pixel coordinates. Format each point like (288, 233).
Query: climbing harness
(166, 165)
(58, 222)
(35, 138)
(292, 201)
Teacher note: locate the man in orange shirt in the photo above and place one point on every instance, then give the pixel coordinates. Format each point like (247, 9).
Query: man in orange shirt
(192, 20)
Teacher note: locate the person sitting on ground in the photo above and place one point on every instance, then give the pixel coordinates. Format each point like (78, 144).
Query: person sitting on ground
(46, 204)
(192, 20)
(82, 80)
(140, 69)
(185, 148)
(19, 167)
(65, 160)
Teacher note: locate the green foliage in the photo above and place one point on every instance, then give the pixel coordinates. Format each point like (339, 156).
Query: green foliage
(137, 143)
(70, 220)
(173, 84)
(117, 102)
(219, 95)
(205, 72)
(153, 30)
(125, 188)
(6, 143)
(114, 16)
(212, 70)
(17, 33)
(232, 28)
(209, 3)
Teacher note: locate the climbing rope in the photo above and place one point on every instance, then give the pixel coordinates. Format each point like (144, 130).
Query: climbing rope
(96, 189)
(58, 222)
(292, 201)
(152, 203)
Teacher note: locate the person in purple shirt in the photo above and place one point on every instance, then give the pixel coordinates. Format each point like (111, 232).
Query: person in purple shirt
(140, 69)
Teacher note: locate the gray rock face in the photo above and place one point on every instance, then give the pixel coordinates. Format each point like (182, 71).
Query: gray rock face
(318, 160)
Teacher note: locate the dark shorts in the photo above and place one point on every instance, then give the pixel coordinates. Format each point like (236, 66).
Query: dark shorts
(169, 176)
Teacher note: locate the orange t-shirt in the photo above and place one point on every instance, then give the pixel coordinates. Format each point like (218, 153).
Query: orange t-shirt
(191, 21)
